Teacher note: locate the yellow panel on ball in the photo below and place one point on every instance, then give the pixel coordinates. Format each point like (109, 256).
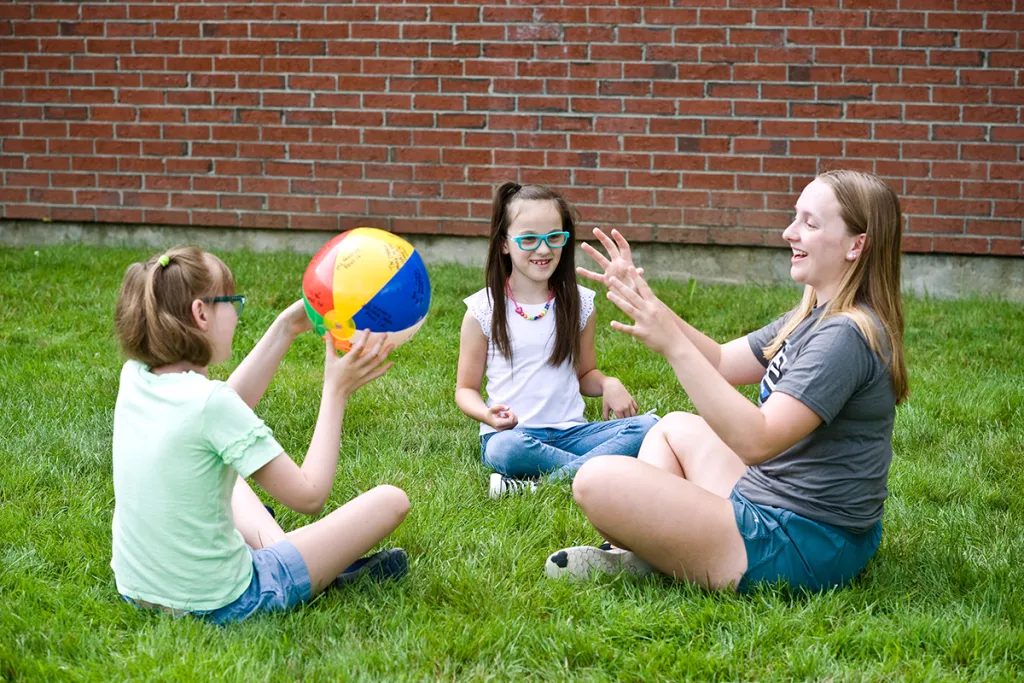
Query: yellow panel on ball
(366, 260)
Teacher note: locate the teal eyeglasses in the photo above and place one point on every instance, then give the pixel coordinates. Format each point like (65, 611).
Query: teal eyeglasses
(236, 300)
(554, 240)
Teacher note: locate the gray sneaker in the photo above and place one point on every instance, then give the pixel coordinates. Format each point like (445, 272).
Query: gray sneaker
(504, 486)
(579, 561)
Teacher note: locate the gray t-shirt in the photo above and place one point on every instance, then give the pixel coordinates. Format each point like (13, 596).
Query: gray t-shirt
(837, 474)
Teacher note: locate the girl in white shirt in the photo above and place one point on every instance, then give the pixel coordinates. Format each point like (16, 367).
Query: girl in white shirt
(536, 347)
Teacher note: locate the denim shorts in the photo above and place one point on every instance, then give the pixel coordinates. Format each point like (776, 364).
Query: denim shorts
(807, 555)
(280, 581)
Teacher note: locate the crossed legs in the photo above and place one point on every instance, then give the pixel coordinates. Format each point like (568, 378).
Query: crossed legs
(671, 506)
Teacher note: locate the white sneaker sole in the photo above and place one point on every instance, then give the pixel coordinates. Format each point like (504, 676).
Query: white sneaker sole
(579, 561)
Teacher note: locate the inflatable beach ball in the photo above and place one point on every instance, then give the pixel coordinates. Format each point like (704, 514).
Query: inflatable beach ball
(366, 279)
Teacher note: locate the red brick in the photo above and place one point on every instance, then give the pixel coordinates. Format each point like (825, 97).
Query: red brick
(818, 148)
(38, 163)
(671, 17)
(976, 133)
(913, 150)
(961, 21)
(96, 197)
(960, 245)
(683, 235)
(973, 207)
(1005, 228)
(992, 114)
(729, 55)
(761, 109)
(654, 216)
(51, 196)
(933, 224)
(817, 111)
(1000, 247)
(843, 18)
(61, 11)
(789, 165)
(1009, 209)
(905, 57)
(772, 220)
(734, 164)
(627, 197)
(124, 216)
(931, 112)
(871, 37)
(772, 17)
(992, 190)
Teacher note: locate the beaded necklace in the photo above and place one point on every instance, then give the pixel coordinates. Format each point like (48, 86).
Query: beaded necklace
(519, 309)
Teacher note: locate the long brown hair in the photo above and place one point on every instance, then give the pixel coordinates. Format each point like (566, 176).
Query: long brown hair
(153, 318)
(869, 206)
(562, 281)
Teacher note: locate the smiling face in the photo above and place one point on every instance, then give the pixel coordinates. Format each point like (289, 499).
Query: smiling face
(533, 217)
(823, 248)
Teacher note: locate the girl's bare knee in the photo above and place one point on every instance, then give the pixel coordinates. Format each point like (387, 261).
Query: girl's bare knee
(394, 500)
(681, 423)
(592, 478)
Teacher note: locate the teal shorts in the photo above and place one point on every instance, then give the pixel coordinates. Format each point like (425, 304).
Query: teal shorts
(784, 547)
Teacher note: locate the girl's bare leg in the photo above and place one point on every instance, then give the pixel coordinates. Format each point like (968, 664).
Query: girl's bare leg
(331, 544)
(258, 528)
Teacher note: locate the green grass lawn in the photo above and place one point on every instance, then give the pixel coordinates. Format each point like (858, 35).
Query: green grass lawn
(942, 600)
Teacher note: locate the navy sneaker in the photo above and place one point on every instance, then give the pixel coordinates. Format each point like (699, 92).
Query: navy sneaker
(390, 564)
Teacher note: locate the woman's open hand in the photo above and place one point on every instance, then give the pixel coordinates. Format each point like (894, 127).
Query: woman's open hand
(616, 264)
(653, 322)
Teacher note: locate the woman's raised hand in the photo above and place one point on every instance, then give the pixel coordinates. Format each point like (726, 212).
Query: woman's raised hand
(653, 321)
(616, 264)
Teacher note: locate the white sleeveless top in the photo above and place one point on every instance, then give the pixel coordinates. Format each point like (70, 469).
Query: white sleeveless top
(541, 396)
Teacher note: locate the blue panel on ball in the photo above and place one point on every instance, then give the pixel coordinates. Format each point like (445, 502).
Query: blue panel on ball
(401, 303)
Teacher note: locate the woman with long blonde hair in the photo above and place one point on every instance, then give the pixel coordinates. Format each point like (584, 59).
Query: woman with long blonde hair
(791, 490)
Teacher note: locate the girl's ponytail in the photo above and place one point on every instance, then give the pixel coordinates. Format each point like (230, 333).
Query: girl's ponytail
(499, 266)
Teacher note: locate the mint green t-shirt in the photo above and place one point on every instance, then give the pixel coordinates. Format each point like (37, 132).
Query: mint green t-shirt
(180, 442)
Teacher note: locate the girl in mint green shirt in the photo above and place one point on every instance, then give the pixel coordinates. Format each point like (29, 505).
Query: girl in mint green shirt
(189, 534)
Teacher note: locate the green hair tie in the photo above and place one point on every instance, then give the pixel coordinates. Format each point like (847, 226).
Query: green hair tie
(164, 260)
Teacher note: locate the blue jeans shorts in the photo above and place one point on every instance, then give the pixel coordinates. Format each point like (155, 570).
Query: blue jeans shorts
(783, 546)
(280, 581)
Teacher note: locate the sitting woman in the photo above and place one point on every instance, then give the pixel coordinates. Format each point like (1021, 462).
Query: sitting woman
(791, 490)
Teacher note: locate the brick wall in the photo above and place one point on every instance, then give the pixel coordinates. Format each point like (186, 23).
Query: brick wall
(687, 121)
